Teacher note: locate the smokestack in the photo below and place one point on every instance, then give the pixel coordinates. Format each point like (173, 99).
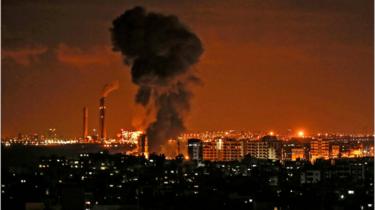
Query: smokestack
(108, 88)
(102, 126)
(85, 122)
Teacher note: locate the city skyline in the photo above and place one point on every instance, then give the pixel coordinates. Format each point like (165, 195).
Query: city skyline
(214, 104)
(266, 66)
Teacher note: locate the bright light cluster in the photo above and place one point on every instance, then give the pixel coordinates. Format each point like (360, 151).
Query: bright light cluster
(130, 137)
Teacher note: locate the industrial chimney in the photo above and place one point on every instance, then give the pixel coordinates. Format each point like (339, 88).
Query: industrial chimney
(108, 88)
(102, 126)
(85, 123)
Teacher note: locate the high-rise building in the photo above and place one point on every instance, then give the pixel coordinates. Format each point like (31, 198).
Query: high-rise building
(222, 149)
(229, 149)
(267, 147)
(259, 149)
(292, 149)
(274, 143)
(319, 148)
(195, 149)
(209, 150)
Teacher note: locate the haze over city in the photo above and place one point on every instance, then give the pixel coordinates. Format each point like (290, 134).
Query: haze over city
(211, 104)
(266, 65)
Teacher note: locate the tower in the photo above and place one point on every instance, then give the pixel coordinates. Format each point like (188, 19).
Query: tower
(85, 123)
(102, 126)
(195, 149)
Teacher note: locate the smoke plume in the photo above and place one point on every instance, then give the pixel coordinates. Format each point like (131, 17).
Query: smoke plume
(110, 87)
(160, 51)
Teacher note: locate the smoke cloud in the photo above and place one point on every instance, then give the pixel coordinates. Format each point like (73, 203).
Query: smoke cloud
(160, 51)
(108, 88)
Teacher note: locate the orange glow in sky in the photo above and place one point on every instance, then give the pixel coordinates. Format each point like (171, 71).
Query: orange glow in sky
(316, 63)
(301, 133)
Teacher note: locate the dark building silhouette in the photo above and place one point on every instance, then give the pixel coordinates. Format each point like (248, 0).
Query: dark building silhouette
(274, 143)
(102, 126)
(143, 146)
(72, 197)
(195, 149)
(85, 132)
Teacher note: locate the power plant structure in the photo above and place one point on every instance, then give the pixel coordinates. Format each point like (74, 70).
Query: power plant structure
(102, 125)
(108, 88)
(85, 123)
(101, 136)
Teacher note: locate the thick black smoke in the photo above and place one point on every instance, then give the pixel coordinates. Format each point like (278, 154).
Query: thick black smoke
(160, 51)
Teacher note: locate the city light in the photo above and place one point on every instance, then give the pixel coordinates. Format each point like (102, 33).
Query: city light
(301, 134)
(282, 122)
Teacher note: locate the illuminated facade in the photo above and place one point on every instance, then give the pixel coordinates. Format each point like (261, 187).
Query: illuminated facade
(130, 137)
(222, 149)
(335, 151)
(209, 150)
(259, 149)
(267, 147)
(319, 148)
(298, 153)
(231, 150)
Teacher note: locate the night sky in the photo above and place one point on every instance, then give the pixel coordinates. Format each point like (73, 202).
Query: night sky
(267, 65)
